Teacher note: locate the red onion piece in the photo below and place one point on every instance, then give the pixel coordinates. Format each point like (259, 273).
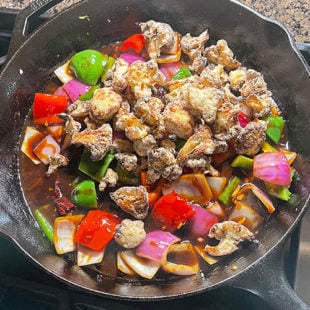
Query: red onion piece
(201, 222)
(156, 245)
(170, 69)
(61, 92)
(131, 57)
(272, 167)
(75, 89)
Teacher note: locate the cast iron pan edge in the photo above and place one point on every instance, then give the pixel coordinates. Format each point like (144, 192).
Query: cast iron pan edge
(234, 279)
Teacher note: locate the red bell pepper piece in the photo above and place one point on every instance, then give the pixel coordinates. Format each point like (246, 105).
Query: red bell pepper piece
(135, 42)
(171, 211)
(243, 119)
(46, 105)
(97, 229)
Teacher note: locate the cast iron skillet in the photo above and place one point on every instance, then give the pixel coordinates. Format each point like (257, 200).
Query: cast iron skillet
(257, 42)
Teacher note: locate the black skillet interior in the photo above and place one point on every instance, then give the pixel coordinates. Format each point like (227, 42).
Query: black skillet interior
(256, 42)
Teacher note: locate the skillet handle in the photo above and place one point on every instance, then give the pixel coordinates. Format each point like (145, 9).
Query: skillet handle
(268, 281)
(20, 31)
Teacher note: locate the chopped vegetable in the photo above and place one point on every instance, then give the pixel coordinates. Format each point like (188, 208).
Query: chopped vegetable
(131, 57)
(272, 167)
(171, 211)
(266, 147)
(182, 73)
(43, 221)
(290, 156)
(46, 105)
(225, 197)
(123, 266)
(75, 89)
(88, 66)
(47, 147)
(135, 42)
(63, 73)
(89, 95)
(243, 119)
(126, 177)
(84, 194)
(182, 259)
(242, 211)
(87, 256)
(206, 257)
(156, 245)
(97, 229)
(95, 169)
(242, 162)
(145, 268)
(31, 138)
(201, 222)
(109, 64)
(262, 196)
(275, 127)
(57, 131)
(191, 187)
(170, 69)
(281, 192)
(64, 230)
(217, 209)
(217, 185)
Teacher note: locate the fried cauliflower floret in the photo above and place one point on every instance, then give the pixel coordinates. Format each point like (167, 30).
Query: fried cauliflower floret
(157, 35)
(214, 76)
(178, 121)
(119, 75)
(98, 141)
(199, 144)
(128, 161)
(149, 110)
(122, 145)
(251, 138)
(109, 180)
(230, 234)
(104, 105)
(168, 144)
(129, 234)
(193, 48)
(141, 77)
(72, 126)
(261, 105)
(79, 109)
(204, 101)
(132, 200)
(221, 54)
(56, 161)
(134, 129)
(226, 125)
(254, 84)
(142, 146)
(161, 162)
(237, 78)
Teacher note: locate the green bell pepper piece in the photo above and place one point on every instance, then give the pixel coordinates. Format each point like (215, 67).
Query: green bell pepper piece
(84, 195)
(242, 162)
(229, 189)
(41, 215)
(278, 191)
(182, 73)
(275, 128)
(179, 143)
(109, 64)
(126, 177)
(88, 66)
(89, 94)
(95, 169)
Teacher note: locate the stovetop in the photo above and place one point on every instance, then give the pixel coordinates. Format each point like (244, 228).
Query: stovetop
(24, 286)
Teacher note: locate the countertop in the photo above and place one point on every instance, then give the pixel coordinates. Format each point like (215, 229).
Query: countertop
(294, 14)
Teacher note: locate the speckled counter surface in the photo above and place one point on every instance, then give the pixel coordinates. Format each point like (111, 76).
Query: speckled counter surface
(294, 14)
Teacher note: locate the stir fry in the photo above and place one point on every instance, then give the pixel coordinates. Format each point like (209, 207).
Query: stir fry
(162, 150)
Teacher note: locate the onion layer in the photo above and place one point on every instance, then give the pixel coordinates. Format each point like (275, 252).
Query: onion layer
(272, 167)
(156, 245)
